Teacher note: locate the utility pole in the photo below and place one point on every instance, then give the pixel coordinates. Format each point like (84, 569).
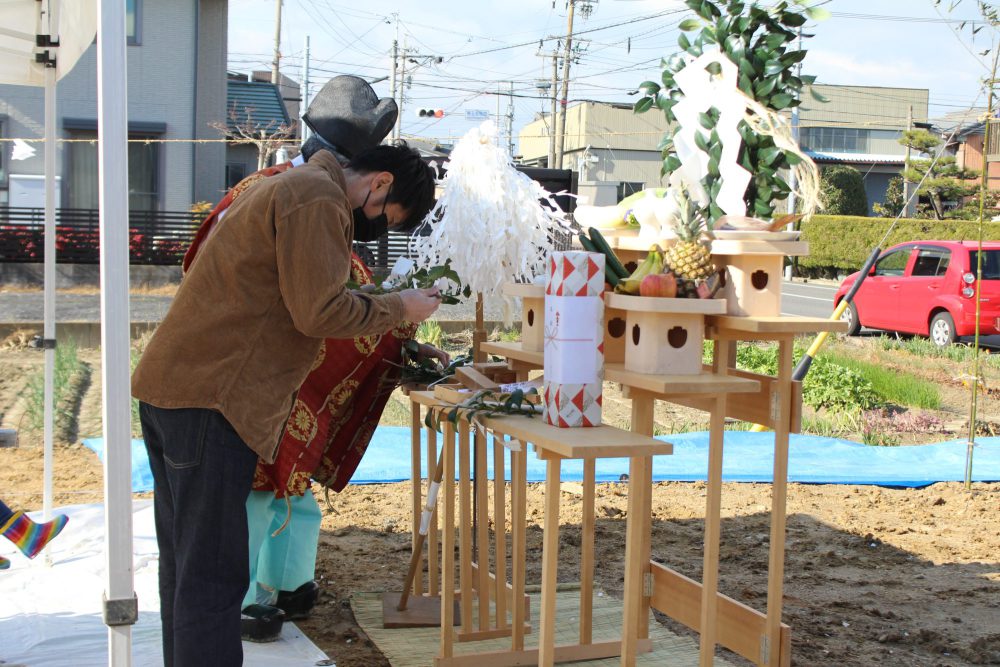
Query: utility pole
(392, 72)
(304, 104)
(561, 140)
(510, 120)
(552, 121)
(908, 207)
(275, 64)
(401, 84)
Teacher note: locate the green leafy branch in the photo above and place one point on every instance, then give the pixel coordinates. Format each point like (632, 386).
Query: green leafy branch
(758, 41)
(424, 278)
(426, 371)
(485, 404)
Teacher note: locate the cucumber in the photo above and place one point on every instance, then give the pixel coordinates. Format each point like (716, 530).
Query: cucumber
(609, 273)
(611, 259)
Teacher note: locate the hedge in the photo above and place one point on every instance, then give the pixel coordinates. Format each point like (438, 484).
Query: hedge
(842, 243)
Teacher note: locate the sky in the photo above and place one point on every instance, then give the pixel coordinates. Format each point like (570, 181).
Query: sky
(486, 46)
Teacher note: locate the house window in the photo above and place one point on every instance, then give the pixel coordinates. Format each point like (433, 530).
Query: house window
(626, 188)
(4, 192)
(834, 139)
(235, 172)
(133, 19)
(143, 172)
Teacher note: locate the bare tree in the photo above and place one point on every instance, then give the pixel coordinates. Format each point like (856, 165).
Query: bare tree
(267, 137)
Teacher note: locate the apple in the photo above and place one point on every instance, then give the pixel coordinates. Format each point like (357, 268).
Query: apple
(659, 284)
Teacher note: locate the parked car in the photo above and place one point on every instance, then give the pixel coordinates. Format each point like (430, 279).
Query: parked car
(927, 288)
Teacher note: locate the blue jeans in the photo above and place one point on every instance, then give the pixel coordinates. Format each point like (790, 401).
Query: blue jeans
(202, 474)
(5, 513)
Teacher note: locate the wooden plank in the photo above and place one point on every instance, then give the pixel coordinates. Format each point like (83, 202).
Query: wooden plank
(755, 407)
(482, 531)
(448, 544)
(523, 290)
(500, 532)
(636, 543)
(587, 552)
(648, 304)
(506, 589)
(519, 527)
(452, 393)
(740, 628)
(572, 443)
(779, 488)
(523, 658)
(514, 351)
(415, 429)
(433, 584)
(489, 633)
(713, 506)
(773, 325)
(464, 526)
(759, 247)
(550, 564)
(474, 379)
(675, 385)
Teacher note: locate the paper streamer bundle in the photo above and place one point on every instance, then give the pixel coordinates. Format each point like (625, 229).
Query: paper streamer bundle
(574, 339)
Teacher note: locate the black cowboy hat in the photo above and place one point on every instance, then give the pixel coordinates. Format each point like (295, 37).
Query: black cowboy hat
(347, 113)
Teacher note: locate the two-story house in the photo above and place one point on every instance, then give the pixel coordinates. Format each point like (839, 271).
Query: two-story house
(176, 88)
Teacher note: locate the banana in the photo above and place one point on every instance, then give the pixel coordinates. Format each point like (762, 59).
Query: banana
(652, 264)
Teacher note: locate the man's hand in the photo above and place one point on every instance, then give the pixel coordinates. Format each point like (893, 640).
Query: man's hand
(419, 304)
(426, 351)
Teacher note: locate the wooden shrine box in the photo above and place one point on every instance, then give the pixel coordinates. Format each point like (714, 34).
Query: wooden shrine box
(533, 324)
(664, 336)
(751, 274)
(532, 313)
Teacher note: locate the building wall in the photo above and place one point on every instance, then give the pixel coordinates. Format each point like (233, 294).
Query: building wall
(210, 96)
(871, 107)
(161, 89)
(970, 156)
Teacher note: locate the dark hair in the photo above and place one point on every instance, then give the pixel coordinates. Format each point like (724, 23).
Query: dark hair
(413, 179)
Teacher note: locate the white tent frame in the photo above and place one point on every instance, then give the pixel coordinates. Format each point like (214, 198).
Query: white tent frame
(120, 604)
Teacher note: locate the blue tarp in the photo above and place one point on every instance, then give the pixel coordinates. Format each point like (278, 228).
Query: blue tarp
(748, 457)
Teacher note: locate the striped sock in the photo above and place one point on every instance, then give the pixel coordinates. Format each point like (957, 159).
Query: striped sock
(31, 537)
(4, 563)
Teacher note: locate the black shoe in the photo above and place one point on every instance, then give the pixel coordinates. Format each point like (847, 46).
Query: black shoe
(298, 603)
(261, 623)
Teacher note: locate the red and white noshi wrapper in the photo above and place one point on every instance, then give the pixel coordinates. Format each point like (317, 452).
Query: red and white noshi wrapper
(574, 339)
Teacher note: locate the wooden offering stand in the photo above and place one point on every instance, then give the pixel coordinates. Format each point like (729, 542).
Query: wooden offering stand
(751, 272)
(774, 402)
(492, 604)
(628, 247)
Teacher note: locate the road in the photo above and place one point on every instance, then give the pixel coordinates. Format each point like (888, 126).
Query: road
(816, 300)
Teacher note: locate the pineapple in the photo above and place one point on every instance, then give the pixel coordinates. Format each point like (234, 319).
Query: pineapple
(690, 259)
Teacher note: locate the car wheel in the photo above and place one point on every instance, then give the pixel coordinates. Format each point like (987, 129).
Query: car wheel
(850, 315)
(942, 330)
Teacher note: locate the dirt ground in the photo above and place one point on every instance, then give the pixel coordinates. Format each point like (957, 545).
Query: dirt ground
(873, 575)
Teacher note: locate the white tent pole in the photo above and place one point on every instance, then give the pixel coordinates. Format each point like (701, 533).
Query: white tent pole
(49, 316)
(120, 607)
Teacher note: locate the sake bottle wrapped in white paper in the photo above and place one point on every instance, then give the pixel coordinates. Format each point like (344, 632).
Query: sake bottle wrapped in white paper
(574, 339)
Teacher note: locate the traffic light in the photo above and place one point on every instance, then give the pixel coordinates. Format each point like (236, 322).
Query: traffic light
(430, 113)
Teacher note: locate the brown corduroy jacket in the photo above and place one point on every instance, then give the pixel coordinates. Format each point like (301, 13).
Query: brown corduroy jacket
(266, 288)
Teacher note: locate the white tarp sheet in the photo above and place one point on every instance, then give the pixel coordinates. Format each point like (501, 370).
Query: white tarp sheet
(20, 21)
(51, 616)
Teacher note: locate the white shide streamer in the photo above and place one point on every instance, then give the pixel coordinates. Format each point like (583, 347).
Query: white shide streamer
(488, 220)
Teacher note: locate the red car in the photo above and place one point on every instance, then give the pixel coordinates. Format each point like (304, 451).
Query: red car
(927, 288)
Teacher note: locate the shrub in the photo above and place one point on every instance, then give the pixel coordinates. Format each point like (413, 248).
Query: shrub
(843, 243)
(843, 191)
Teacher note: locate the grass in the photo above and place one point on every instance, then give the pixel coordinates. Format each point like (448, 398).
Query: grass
(430, 332)
(923, 347)
(66, 375)
(896, 387)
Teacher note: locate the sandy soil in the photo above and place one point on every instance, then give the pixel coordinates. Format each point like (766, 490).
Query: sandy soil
(873, 575)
